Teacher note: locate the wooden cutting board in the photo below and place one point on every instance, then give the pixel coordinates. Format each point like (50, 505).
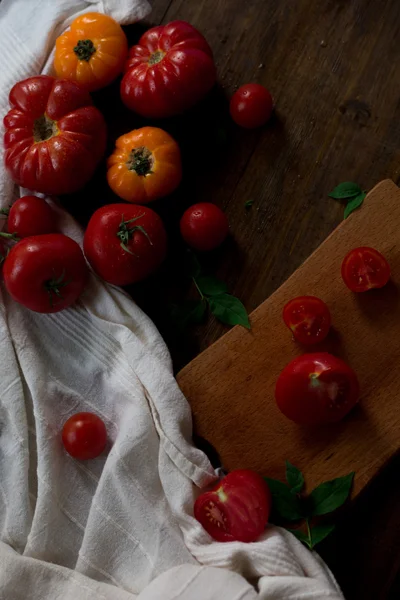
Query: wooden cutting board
(230, 386)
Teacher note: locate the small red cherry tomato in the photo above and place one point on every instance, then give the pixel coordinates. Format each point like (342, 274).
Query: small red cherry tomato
(316, 388)
(308, 318)
(31, 215)
(237, 509)
(251, 106)
(204, 226)
(364, 269)
(84, 436)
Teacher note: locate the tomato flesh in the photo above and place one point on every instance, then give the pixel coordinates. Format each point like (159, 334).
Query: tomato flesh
(84, 436)
(308, 318)
(364, 269)
(236, 509)
(316, 388)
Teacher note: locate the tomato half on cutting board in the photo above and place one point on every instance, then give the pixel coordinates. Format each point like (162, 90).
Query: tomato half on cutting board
(308, 318)
(169, 71)
(236, 509)
(364, 269)
(316, 388)
(54, 137)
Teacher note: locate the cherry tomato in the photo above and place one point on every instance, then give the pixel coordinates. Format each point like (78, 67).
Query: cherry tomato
(364, 269)
(204, 226)
(251, 106)
(92, 52)
(45, 273)
(54, 137)
(169, 71)
(145, 165)
(84, 436)
(236, 509)
(316, 388)
(125, 243)
(308, 318)
(30, 215)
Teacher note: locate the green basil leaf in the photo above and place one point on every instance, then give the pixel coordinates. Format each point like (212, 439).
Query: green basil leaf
(319, 533)
(248, 203)
(353, 204)
(301, 536)
(229, 310)
(295, 478)
(211, 286)
(330, 495)
(191, 311)
(286, 504)
(347, 189)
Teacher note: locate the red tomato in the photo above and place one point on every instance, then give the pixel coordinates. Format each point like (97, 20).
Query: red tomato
(169, 71)
(251, 106)
(308, 318)
(316, 388)
(204, 226)
(84, 436)
(236, 509)
(125, 243)
(54, 136)
(364, 269)
(30, 215)
(45, 273)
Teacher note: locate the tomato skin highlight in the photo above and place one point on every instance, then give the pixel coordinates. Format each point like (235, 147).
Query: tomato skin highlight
(308, 318)
(316, 388)
(31, 215)
(251, 106)
(204, 226)
(92, 52)
(39, 265)
(364, 269)
(236, 509)
(54, 137)
(168, 71)
(84, 436)
(145, 247)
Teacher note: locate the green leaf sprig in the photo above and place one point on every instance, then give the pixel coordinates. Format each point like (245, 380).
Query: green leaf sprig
(213, 295)
(351, 193)
(291, 504)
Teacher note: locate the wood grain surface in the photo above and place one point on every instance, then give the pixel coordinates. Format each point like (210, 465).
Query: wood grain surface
(332, 66)
(231, 385)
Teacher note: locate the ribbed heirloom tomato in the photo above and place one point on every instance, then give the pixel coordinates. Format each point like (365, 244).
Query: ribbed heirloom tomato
(236, 509)
(145, 165)
(316, 388)
(92, 52)
(169, 71)
(54, 137)
(125, 243)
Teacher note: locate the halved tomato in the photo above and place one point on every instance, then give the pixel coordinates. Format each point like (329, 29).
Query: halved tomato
(308, 318)
(364, 269)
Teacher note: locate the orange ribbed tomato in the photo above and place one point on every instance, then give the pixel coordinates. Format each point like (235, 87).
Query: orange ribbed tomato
(92, 52)
(145, 165)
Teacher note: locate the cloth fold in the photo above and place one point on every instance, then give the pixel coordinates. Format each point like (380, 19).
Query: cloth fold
(119, 527)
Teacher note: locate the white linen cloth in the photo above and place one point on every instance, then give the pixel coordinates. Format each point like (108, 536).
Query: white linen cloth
(119, 527)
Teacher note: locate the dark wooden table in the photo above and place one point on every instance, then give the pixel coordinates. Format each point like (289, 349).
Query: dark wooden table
(333, 68)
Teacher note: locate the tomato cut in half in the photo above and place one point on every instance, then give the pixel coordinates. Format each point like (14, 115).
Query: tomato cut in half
(308, 318)
(364, 269)
(316, 388)
(237, 509)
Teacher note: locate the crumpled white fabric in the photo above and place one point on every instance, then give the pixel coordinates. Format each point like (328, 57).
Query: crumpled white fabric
(119, 527)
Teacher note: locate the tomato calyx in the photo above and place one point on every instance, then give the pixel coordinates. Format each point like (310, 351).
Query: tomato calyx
(53, 287)
(44, 129)
(84, 49)
(156, 57)
(141, 161)
(125, 233)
